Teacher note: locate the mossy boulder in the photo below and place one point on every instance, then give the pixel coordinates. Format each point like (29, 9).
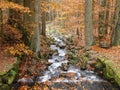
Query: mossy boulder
(8, 72)
(111, 70)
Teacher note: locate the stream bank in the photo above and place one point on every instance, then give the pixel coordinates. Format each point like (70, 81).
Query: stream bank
(104, 66)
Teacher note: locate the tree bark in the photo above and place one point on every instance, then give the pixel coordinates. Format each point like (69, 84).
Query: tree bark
(33, 21)
(4, 15)
(88, 24)
(116, 33)
(43, 24)
(102, 29)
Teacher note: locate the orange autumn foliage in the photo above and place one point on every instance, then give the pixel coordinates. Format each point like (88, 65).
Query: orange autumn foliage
(19, 50)
(12, 5)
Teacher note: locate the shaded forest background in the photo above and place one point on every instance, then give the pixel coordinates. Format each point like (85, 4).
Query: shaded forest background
(23, 21)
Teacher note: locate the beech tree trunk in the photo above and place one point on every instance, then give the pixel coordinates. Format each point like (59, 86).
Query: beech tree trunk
(102, 29)
(43, 24)
(33, 21)
(37, 29)
(88, 24)
(1, 25)
(4, 15)
(116, 33)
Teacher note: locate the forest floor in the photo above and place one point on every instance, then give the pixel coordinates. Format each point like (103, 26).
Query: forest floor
(112, 53)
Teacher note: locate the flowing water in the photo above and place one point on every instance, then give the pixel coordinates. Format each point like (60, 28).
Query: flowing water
(71, 76)
(58, 60)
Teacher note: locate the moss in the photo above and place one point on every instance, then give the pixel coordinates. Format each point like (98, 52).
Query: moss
(8, 67)
(11, 77)
(16, 65)
(7, 79)
(99, 66)
(111, 70)
(2, 73)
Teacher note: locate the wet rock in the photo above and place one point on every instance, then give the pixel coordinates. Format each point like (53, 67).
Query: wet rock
(62, 47)
(64, 67)
(83, 68)
(49, 56)
(53, 47)
(44, 78)
(15, 86)
(55, 53)
(56, 74)
(85, 85)
(26, 81)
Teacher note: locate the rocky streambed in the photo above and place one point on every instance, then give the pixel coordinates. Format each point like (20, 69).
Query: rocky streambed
(61, 75)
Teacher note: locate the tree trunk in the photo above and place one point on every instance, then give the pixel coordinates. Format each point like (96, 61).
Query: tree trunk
(35, 45)
(4, 15)
(1, 25)
(37, 10)
(102, 29)
(33, 21)
(43, 24)
(116, 33)
(88, 24)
